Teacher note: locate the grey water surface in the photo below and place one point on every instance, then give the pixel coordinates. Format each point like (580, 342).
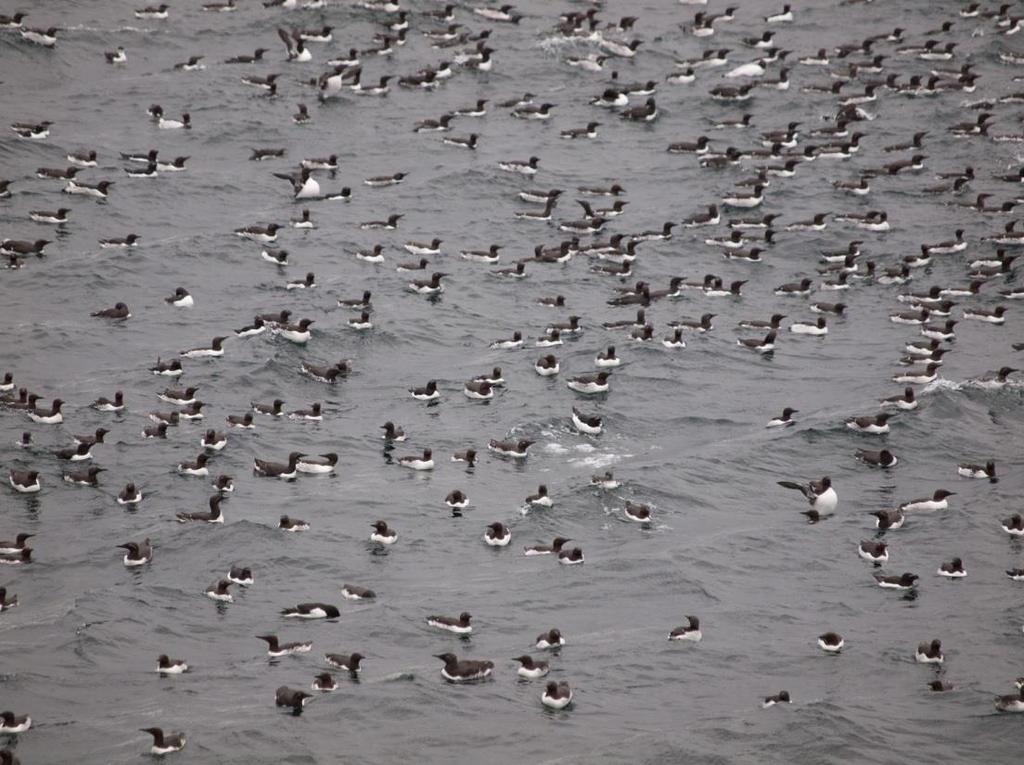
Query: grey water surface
(684, 430)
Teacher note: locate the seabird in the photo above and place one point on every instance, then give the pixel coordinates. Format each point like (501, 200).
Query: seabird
(288, 697)
(165, 743)
(215, 514)
(820, 494)
(348, 663)
(292, 524)
(831, 642)
(355, 592)
(938, 501)
(275, 648)
(557, 695)
(311, 611)
(497, 534)
(277, 469)
(382, 534)
(138, 553)
(690, 631)
(929, 653)
(167, 666)
(219, 591)
(464, 670)
(553, 549)
(460, 625)
(782, 697)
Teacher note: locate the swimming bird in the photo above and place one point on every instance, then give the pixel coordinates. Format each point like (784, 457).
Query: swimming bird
(468, 456)
(875, 424)
(8, 547)
(215, 515)
(89, 477)
(938, 501)
(273, 409)
(119, 312)
(292, 524)
(288, 697)
(314, 413)
(784, 420)
(460, 625)
(224, 484)
(430, 286)
(35, 131)
(997, 381)
(167, 666)
(311, 611)
(637, 511)
(196, 467)
(322, 464)
(214, 350)
(392, 432)
(690, 631)
(557, 695)
(425, 461)
(219, 591)
(590, 384)
(765, 345)
(157, 431)
(968, 470)
(927, 375)
(138, 553)
(497, 534)
(820, 495)
(511, 448)
(165, 743)
(953, 569)
(873, 551)
(647, 112)
(929, 653)
(457, 670)
(277, 469)
(324, 682)
(782, 697)
(541, 498)
(275, 648)
(531, 668)
(886, 519)
(831, 642)
(295, 46)
(553, 549)
(905, 581)
(382, 534)
(587, 423)
(1012, 702)
(77, 453)
(883, 458)
(1014, 525)
(571, 557)
(304, 186)
(906, 401)
(456, 499)
(346, 662)
(240, 575)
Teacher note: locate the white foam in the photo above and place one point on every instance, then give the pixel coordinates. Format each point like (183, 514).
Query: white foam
(599, 460)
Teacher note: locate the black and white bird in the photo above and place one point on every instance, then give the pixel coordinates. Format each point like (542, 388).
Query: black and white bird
(294, 45)
(165, 743)
(820, 495)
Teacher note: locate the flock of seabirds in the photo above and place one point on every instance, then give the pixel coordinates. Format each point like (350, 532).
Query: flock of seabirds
(857, 81)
